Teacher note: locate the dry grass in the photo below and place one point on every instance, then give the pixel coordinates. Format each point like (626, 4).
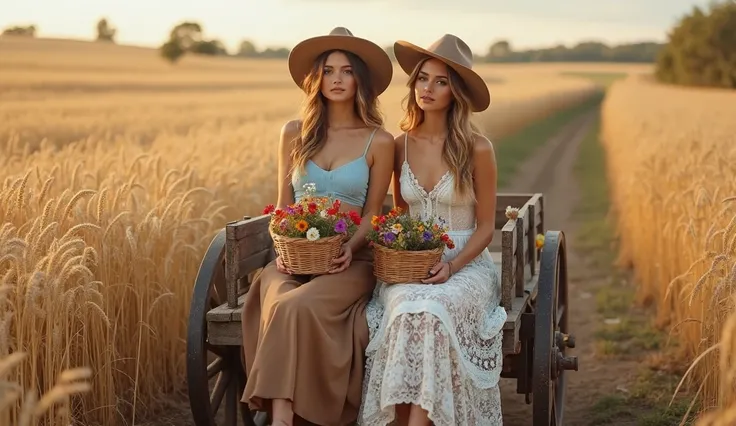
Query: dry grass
(672, 167)
(117, 170)
(53, 406)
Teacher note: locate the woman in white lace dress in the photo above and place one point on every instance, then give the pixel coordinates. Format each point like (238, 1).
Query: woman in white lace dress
(435, 351)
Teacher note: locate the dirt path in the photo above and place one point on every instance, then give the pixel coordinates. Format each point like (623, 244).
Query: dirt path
(556, 180)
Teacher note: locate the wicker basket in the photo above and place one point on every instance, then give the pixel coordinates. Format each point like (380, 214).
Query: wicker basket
(404, 266)
(304, 257)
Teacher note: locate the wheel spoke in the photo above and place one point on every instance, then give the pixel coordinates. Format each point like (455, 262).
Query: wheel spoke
(214, 367)
(223, 381)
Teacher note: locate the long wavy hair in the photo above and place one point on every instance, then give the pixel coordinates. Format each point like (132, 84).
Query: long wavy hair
(313, 131)
(458, 149)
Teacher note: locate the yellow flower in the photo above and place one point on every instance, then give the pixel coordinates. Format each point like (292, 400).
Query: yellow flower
(396, 228)
(420, 228)
(374, 220)
(302, 225)
(539, 241)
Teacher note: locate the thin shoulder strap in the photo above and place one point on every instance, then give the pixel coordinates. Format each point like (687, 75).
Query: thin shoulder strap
(370, 139)
(406, 146)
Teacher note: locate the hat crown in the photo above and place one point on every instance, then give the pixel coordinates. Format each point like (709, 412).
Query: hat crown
(453, 48)
(341, 31)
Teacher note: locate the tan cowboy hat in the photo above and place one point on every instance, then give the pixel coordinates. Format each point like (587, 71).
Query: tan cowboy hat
(455, 53)
(303, 55)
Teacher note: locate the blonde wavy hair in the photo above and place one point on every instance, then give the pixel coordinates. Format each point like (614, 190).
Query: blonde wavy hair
(458, 149)
(313, 130)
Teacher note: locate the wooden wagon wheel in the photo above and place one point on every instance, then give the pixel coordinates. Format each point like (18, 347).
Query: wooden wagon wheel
(207, 362)
(550, 334)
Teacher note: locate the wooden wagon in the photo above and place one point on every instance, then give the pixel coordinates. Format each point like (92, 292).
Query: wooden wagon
(534, 294)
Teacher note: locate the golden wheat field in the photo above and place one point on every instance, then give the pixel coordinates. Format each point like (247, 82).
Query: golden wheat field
(117, 171)
(672, 166)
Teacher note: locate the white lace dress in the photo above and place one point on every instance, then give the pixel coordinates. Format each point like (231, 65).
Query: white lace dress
(437, 346)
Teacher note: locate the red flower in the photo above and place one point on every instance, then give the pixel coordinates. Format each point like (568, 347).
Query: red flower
(445, 237)
(376, 228)
(279, 213)
(269, 209)
(450, 245)
(355, 217)
(312, 208)
(336, 204)
(332, 211)
(382, 219)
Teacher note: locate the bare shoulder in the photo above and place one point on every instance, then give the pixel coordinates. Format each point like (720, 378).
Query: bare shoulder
(383, 139)
(399, 141)
(290, 129)
(481, 145)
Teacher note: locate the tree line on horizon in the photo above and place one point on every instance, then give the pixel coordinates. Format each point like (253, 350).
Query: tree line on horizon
(700, 49)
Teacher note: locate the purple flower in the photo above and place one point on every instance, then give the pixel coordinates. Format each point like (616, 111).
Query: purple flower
(290, 210)
(427, 235)
(341, 227)
(389, 237)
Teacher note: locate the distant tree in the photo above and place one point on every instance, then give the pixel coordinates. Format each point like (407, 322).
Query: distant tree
(247, 49)
(29, 31)
(500, 49)
(186, 34)
(275, 53)
(104, 31)
(186, 37)
(209, 47)
(586, 51)
(701, 48)
(172, 51)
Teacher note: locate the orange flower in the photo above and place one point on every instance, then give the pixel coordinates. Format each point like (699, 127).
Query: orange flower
(302, 225)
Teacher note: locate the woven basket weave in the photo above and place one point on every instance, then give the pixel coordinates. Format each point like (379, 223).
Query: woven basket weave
(404, 266)
(304, 257)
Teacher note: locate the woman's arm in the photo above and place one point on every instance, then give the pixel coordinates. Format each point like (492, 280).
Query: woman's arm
(289, 133)
(382, 154)
(398, 163)
(484, 184)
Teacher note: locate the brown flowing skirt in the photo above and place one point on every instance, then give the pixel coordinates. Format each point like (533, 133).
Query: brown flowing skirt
(304, 340)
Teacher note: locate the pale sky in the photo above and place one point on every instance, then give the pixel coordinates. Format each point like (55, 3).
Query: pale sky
(526, 23)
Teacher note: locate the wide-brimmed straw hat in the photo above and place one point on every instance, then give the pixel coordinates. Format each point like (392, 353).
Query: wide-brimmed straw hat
(456, 54)
(303, 55)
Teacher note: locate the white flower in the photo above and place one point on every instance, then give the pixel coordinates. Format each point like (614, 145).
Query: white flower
(323, 213)
(310, 188)
(313, 234)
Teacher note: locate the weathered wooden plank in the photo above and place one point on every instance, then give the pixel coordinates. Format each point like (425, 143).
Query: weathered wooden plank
(508, 263)
(225, 333)
(239, 229)
(520, 253)
(256, 261)
(512, 326)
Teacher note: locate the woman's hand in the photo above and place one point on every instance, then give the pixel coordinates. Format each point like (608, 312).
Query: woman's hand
(439, 273)
(281, 267)
(343, 260)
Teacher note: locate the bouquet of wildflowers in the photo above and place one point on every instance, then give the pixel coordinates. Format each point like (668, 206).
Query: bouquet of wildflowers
(399, 231)
(308, 234)
(405, 248)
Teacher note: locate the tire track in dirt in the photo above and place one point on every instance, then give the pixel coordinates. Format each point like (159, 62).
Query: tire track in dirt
(551, 171)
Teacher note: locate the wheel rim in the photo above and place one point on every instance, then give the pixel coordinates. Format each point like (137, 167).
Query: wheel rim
(551, 328)
(215, 374)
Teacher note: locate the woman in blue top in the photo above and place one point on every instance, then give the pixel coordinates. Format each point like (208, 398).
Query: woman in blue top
(304, 337)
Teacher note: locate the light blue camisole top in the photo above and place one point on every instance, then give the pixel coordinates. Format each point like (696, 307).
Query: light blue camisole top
(348, 183)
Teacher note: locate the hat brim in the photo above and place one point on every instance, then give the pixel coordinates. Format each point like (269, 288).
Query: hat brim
(303, 55)
(408, 55)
